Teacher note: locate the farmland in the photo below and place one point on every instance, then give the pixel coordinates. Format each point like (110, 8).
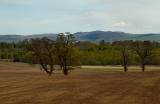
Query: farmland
(27, 84)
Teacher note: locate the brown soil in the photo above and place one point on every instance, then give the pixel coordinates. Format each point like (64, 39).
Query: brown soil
(79, 88)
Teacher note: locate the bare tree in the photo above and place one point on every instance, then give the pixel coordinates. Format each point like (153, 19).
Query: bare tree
(43, 53)
(123, 47)
(144, 52)
(65, 51)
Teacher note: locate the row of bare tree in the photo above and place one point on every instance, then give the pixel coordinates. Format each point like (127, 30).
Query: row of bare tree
(64, 51)
(49, 53)
(143, 49)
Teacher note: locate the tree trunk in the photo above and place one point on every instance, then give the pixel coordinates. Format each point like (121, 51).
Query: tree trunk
(49, 73)
(143, 67)
(46, 69)
(125, 68)
(65, 70)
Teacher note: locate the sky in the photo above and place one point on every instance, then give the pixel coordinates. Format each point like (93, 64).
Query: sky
(54, 16)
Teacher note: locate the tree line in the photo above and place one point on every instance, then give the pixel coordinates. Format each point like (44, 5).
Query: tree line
(66, 52)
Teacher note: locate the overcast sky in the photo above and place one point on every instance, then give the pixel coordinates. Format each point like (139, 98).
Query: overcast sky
(54, 16)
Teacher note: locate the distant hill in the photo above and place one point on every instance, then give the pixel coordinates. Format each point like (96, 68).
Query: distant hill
(110, 36)
(10, 38)
(151, 37)
(94, 36)
(17, 38)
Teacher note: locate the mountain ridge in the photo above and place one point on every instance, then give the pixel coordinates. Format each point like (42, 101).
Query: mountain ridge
(93, 36)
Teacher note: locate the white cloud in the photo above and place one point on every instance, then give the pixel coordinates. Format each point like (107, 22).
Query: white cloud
(88, 25)
(120, 24)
